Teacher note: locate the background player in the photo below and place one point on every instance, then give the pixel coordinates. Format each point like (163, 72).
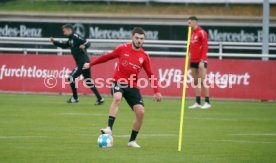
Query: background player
(198, 61)
(78, 46)
(132, 58)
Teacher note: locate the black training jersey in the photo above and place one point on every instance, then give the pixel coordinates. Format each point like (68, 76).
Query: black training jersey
(74, 42)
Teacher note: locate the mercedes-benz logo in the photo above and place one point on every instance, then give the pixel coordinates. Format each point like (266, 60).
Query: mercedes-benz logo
(79, 29)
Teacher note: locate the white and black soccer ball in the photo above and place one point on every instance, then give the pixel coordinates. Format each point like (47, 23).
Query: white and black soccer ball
(105, 141)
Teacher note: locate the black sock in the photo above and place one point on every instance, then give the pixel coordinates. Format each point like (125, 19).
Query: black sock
(133, 135)
(198, 99)
(74, 90)
(111, 121)
(207, 100)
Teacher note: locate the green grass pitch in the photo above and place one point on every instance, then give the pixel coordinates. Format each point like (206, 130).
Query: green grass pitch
(43, 128)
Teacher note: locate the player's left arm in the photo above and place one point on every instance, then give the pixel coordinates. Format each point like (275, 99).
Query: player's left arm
(153, 80)
(84, 44)
(204, 44)
(204, 50)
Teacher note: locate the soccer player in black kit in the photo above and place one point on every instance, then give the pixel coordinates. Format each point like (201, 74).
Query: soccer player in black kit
(78, 46)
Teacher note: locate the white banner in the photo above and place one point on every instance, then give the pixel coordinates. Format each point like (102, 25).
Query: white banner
(187, 1)
(213, 1)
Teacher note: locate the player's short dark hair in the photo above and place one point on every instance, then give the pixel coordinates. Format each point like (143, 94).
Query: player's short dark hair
(67, 26)
(138, 30)
(193, 18)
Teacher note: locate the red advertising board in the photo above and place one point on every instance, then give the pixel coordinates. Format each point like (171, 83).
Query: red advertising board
(235, 79)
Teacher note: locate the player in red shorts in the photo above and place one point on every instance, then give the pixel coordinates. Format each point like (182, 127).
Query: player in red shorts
(198, 61)
(132, 58)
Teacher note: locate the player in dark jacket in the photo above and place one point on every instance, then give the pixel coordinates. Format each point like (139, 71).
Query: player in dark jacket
(78, 46)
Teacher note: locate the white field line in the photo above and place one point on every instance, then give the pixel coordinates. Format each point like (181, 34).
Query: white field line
(21, 137)
(83, 114)
(140, 135)
(212, 119)
(147, 135)
(245, 141)
(255, 134)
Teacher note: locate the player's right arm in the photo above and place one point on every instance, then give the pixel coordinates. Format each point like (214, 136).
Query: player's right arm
(59, 44)
(104, 58)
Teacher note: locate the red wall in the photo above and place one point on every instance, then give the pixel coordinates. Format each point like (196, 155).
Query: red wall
(251, 79)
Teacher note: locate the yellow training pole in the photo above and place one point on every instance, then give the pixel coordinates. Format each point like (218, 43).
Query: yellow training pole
(184, 92)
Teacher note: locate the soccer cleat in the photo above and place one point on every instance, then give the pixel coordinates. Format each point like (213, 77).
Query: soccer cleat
(206, 106)
(196, 105)
(100, 102)
(73, 100)
(106, 131)
(133, 144)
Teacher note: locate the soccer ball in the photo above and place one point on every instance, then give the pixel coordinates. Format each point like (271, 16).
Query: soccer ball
(105, 141)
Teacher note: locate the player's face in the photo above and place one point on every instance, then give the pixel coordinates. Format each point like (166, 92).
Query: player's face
(138, 40)
(67, 31)
(192, 23)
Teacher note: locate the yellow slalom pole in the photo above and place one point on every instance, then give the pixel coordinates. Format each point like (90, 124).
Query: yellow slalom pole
(184, 92)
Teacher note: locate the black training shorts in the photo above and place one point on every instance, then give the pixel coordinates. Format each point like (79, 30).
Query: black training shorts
(132, 95)
(196, 64)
